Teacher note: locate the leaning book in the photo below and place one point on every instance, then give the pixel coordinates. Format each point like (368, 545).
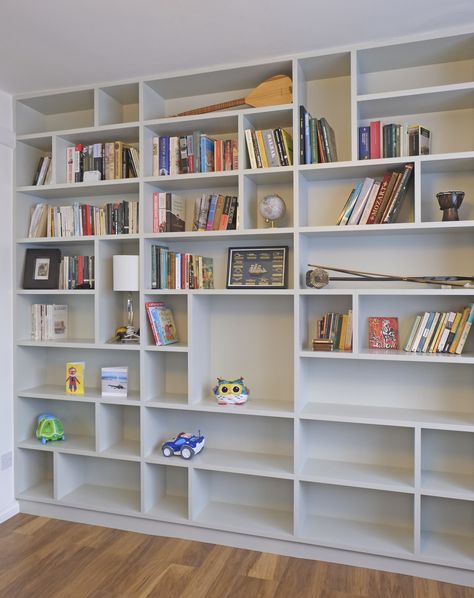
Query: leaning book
(114, 381)
(161, 323)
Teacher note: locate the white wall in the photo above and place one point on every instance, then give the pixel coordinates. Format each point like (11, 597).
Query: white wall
(8, 506)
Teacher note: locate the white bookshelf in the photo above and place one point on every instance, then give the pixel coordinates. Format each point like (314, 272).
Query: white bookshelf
(365, 456)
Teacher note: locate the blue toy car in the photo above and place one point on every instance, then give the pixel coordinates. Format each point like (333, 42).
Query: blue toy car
(184, 444)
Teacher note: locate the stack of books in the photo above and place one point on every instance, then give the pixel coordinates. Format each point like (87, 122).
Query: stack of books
(441, 332)
(179, 270)
(49, 322)
(317, 139)
(334, 332)
(377, 202)
(189, 154)
(43, 171)
(112, 160)
(269, 147)
(77, 272)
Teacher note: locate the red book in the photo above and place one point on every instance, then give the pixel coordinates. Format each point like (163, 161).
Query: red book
(383, 333)
(379, 199)
(80, 270)
(375, 151)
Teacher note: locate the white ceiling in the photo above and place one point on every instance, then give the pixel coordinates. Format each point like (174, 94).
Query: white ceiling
(62, 43)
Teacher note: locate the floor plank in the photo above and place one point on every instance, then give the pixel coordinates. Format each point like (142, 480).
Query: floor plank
(48, 558)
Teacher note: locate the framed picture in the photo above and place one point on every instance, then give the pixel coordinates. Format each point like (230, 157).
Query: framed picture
(42, 269)
(257, 268)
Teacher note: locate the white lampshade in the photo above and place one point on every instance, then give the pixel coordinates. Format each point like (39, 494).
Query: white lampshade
(126, 273)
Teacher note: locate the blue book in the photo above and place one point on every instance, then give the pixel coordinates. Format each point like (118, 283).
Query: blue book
(207, 154)
(364, 143)
(350, 203)
(164, 155)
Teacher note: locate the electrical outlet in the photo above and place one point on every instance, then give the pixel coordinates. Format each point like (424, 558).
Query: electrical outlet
(6, 461)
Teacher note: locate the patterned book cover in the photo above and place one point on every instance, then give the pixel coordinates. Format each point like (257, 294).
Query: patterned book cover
(383, 333)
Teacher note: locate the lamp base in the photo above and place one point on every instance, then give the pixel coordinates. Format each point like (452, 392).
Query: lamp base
(126, 334)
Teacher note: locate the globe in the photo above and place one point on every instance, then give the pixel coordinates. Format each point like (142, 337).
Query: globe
(272, 208)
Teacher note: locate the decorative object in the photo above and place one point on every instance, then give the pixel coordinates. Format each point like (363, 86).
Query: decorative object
(75, 378)
(49, 428)
(126, 278)
(184, 444)
(319, 278)
(272, 208)
(42, 268)
(231, 392)
(382, 332)
(449, 203)
(257, 267)
(272, 91)
(114, 381)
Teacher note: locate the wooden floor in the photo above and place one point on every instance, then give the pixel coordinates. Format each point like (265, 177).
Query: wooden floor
(42, 557)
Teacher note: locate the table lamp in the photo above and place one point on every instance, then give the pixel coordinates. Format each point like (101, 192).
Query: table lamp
(126, 278)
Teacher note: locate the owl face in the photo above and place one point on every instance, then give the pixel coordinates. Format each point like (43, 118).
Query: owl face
(231, 392)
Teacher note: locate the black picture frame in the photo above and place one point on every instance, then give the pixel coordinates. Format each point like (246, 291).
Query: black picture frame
(269, 265)
(41, 268)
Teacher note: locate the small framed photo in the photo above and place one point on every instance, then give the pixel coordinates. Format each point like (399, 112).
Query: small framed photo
(257, 268)
(42, 268)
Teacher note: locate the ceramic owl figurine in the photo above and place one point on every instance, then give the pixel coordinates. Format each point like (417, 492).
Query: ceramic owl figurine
(231, 392)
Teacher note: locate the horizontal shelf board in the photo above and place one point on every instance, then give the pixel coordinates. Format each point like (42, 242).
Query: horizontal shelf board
(128, 132)
(389, 416)
(84, 189)
(74, 292)
(453, 162)
(359, 536)
(170, 507)
(235, 461)
(74, 443)
(77, 239)
(128, 450)
(328, 354)
(200, 180)
(283, 234)
(67, 344)
(328, 171)
(255, 406)
(40, 492)
(173, 348)
(104, 498)
(270, 176)
(114, 346)
(447, 484)
(448, 549)
(214, 292)
(396, 227)
(251, 520)
(441, 358)
(416, 101)
(361, 475)
(170, 401)
(50, 391)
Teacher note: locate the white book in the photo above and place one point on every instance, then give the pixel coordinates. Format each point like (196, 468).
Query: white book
(447, 328)
(114, 381)
(414, 330)
(361, 201)
(370, 202)
(70, 158)
(58, 322)
(420, 331)
(155, 156)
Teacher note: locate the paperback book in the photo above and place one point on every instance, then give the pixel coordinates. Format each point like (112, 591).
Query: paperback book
(383, 333)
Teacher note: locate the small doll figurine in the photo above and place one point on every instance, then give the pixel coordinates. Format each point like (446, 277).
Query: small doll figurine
(231, 392)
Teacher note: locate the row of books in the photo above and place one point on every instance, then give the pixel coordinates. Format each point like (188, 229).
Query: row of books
(112, 160)
(169, 213)
(441, 332)
(269, 147)
(162, 325)
(378, 140)
(377, 202)
(49, 322)
(189, 154)
(334, 332)
(179, 270)
(43, 171)
(215, 212)
(77, 220)
(317, 139)
(77, 272)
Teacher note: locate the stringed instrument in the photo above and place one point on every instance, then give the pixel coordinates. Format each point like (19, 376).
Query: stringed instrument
(271, 92)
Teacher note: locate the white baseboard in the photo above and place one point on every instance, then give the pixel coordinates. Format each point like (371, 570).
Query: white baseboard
(14, 509)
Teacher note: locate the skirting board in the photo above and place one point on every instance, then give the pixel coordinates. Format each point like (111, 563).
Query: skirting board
(10, 512)
(294, 549)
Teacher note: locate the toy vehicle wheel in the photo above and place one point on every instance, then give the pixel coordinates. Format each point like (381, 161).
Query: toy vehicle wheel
(43, 441)
(167, 452)
(187, 452)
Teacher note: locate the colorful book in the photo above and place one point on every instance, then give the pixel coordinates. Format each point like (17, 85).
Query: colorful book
(382, 333)
(75, 378)
(162, 323)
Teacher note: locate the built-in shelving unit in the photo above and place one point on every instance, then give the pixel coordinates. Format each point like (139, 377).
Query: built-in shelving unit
(359, 456)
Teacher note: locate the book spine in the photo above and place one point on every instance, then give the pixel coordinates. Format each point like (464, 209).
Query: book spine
(250, 148)
(364, 143)
(398, 196)
(465, 331)
(164, 155)
(375, 152)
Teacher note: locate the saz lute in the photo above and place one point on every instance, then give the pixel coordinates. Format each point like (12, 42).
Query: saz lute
(273, 91)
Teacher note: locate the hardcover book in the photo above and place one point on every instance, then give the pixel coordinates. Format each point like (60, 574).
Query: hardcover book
(383, 333)
(161, 322)
(114, 381)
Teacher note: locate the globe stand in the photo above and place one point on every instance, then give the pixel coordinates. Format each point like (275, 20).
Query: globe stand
(272, 208)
